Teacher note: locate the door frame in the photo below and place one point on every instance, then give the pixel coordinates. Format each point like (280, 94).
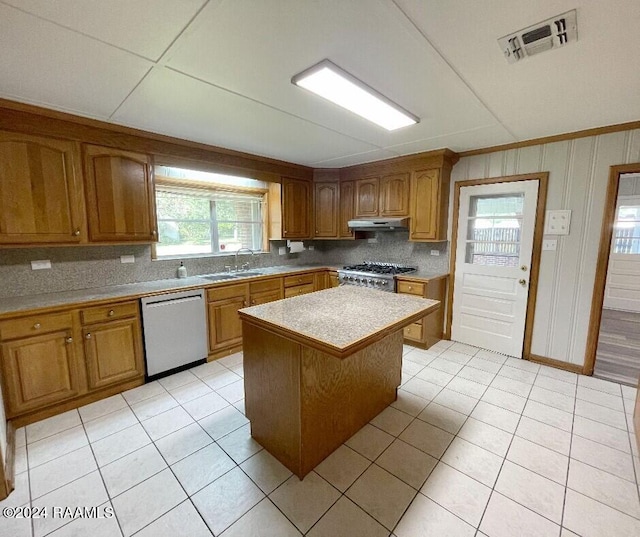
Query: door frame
(543, 179)
(602, 265)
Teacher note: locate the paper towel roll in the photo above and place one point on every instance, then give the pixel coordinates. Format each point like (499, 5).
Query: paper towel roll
(295, 246)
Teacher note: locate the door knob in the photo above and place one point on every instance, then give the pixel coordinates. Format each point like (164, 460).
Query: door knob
(523, 282)
(524, 267)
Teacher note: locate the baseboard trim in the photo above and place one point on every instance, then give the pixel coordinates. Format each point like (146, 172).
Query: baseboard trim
(558, 364)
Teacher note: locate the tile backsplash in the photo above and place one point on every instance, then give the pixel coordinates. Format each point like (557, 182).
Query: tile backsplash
(88, 267)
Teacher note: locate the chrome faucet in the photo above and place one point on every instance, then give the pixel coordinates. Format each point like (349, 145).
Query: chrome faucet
(245, 266)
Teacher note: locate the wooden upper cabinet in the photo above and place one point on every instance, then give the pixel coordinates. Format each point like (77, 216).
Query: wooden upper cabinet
(120, 195)
(394, 195)
(326, 205)
(367, 197)
(40, 191)
(296, 209)
(429, 206)
(346, 209)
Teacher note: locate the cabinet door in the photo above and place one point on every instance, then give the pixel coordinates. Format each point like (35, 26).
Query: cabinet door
(296, 209)
(39, 371)
(40, 191)
(367, 196)
(394, 195)
(326, 210)
(423, 225)
(225, 326)
(113, 352)
(267, 296)
(346, 209)
(121, 206)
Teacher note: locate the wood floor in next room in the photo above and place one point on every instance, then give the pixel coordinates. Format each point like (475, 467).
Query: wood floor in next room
(618, 354)
(476, 445)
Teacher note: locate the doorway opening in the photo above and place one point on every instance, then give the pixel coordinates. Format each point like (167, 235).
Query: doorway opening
(613, 349)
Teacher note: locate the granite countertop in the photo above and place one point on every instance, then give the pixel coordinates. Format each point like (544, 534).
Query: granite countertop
(423, 274)
(19, 304)
(340, 317)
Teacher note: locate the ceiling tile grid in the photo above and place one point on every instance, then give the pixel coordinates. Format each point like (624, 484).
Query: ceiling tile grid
(219, 71)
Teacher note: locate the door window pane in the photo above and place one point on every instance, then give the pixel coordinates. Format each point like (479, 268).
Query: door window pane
(494, 230)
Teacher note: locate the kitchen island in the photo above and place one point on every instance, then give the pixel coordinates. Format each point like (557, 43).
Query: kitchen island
(320, 366)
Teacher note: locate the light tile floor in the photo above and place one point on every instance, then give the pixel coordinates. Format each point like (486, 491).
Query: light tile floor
(477, 444)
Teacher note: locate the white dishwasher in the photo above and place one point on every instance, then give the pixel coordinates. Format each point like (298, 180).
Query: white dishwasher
(175, 331)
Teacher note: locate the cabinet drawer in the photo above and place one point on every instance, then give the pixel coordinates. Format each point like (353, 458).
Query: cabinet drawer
(227, 291)
(298, 290)
(414, 331)
(34, 325)
(265, 285)
(109, 312)
(299, 279)
(411, 288)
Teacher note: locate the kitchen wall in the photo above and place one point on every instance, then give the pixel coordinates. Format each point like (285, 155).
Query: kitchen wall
(578, 175)
(390, 247)
(95, 266)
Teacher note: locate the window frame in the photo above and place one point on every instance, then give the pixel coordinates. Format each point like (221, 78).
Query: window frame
(186, 185)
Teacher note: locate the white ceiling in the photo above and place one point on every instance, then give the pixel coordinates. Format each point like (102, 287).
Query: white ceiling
(219, 71)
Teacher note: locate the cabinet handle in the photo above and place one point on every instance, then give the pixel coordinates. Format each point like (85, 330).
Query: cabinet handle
(253, 302)
(76, 233)
(153, 233)
(410, 288)
(88, 336)
(111, 313)
(244, 303)
(37, 326)
(69, 340)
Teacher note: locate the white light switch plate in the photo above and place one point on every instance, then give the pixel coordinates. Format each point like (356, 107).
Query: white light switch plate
(40, 264)
(557, 222)
(435, 252)
(282, 250)
(549, 244)
(127, 259)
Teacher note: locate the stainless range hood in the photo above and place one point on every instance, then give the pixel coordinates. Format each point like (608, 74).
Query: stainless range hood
(388, 224)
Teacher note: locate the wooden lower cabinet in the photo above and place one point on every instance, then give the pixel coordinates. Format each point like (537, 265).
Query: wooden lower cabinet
(427, 331)
(39, 371)
(113, 352)
(264, 291)
(44, 365)
(225, 328)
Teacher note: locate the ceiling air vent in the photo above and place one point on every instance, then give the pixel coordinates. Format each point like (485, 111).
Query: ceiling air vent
(552, 33)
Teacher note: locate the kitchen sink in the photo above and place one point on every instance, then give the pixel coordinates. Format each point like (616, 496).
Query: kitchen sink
(229, 275)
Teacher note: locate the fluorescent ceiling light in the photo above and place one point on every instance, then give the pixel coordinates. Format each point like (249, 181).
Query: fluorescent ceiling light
(332, 83)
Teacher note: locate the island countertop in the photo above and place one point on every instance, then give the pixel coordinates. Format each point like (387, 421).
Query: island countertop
(341, 320)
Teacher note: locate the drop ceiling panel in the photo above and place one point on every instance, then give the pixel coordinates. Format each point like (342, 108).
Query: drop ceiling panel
(43, 63)
(145, 27)
(167, 102)
(254, 48)
(586, 84)
(461, 141)
(359, 158)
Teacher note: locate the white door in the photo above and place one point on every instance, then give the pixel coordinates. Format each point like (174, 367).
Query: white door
(496, 223)
(622, 291)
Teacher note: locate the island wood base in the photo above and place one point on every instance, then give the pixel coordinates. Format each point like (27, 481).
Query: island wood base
(303, 403)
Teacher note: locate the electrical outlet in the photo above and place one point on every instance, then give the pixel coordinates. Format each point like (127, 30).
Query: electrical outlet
(282, 250)
(549, 244)
(311, 247)
(127, 259)
(435, 252)
(41, 264)
(373, 240)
